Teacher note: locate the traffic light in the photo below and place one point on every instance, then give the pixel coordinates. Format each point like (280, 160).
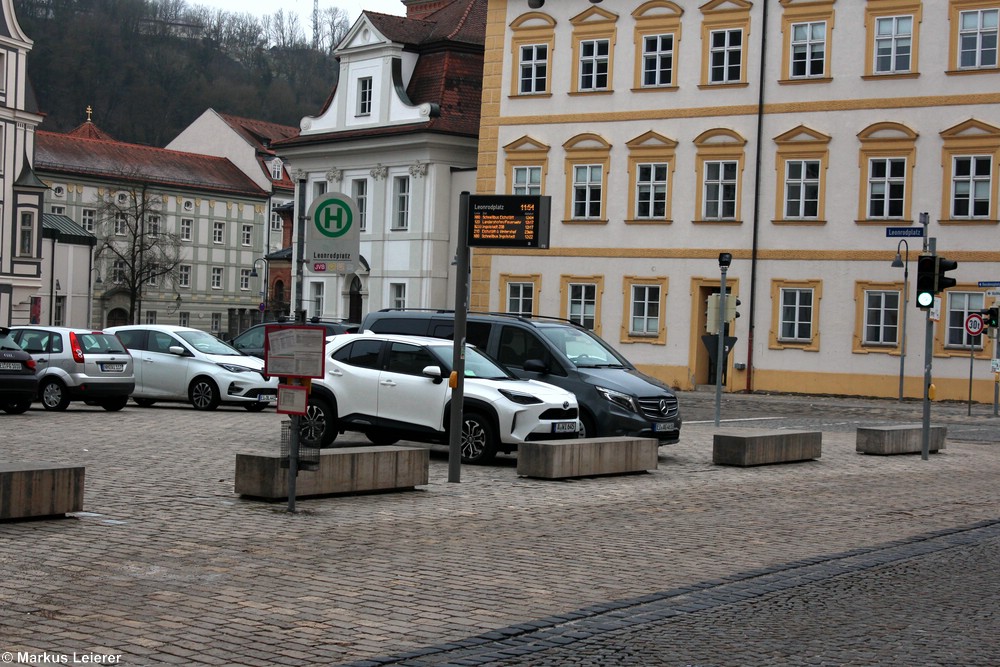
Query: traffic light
(712, 319)
(926, 277)
(991, 317)
(731, 303)
(941, 281)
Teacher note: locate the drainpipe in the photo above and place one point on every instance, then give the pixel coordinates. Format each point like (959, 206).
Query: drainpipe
(756, 197)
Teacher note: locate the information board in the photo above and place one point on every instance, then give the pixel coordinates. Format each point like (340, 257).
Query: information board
(293, 351)
(333, 236)
(509, 221)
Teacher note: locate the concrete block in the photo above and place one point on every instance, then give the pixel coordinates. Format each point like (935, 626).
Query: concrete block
(29, 490)
(899, 439)
(748, 447)
(586, 457)
(343, 470)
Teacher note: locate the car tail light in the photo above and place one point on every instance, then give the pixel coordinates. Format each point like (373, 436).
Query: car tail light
(74, 345)
(30, 363)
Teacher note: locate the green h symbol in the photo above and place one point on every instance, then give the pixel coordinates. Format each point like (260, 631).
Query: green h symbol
(333, 219)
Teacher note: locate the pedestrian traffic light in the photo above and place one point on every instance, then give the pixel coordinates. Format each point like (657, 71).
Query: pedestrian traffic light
(991, 317)
(712, 316)
(926, 276)
(941, 281)
(731, 303)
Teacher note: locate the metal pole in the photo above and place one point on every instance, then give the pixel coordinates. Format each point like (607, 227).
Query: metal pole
(925, 441)
(906, 287)
(972, 349)
(293, 441)
(458, 352)
(720, 350)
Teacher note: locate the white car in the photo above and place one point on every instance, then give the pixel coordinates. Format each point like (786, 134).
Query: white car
(393, 387)
(174, 363)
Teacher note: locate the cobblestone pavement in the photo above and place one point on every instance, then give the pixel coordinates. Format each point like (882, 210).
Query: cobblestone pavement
(849, 559)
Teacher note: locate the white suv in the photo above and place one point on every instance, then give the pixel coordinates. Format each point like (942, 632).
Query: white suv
(393, 387)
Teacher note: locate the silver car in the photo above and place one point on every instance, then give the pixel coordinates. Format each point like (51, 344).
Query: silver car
(77, 365)
(175, 363)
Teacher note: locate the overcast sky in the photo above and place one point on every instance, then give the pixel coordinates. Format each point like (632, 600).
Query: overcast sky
(303, 8)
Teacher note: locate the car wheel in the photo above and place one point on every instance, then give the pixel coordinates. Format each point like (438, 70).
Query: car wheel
(479, 439)
(318, 426)
(588, 430)
(54, 395)
(114, 404)
(255, 407)
(17, 406)
(204, 395)
(143, 402)
(381, 438)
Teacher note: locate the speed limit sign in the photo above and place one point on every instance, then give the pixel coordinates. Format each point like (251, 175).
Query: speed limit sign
(974, 324)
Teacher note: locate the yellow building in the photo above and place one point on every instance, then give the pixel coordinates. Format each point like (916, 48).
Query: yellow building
(805, 137)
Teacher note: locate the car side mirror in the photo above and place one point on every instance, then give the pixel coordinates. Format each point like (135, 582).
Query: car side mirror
(535, 366)
(177, 349)
(433, 372)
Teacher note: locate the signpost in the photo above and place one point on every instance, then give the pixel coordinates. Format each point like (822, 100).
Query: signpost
(901, 232)
(974, 327)
(333, 236)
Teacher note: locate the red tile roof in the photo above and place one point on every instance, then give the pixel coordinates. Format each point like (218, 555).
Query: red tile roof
(261, 134)
(106, 158)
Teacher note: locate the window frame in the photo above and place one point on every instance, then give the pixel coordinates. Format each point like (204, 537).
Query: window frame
(186, 229)
(593, 25)
(246, 235)
(862, 291)
(956, 8)
(507, 280)
(538, 85)
(724, 15)
(895, 9)
(218, 232)
(886, 140)
(366, 96)
(566, 283)
(533, 28)
(629, 285)
(777, 341)
(88, 219)
(718, 145)
(970, 138)
(217, 277)
(661, 18)
(244, 280)
(401, 202)
(525, 152)
(586, 150)
(650, 148)
(943, 343)
(797, 14)
(27, 235)
(361, 200)
(184, 273)
(807, 145)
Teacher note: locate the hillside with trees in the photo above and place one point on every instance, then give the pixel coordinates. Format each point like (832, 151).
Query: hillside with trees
(148, 68)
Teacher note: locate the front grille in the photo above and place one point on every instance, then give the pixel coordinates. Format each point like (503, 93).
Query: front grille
(651, 407)
(559, 414)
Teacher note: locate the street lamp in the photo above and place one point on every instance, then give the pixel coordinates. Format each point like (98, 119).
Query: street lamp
(263, 283)
(904, 263)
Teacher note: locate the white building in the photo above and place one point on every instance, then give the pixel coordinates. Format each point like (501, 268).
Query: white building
(791, 134)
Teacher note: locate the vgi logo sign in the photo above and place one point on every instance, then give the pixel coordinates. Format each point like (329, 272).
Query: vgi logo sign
(332, 237)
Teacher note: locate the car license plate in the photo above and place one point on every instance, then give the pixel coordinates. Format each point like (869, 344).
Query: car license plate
(112, 368)
(10, 365)
(660, 427)
(564, 427)
(266, 398)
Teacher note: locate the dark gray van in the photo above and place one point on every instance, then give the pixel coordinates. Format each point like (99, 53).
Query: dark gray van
(615, 398)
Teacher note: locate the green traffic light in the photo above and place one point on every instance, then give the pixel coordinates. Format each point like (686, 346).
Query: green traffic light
(925, 299)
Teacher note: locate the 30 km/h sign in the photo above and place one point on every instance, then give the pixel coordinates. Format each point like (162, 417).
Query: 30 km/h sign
(974, 324)
(333, 237)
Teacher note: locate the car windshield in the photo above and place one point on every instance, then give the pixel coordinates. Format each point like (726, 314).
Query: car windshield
(583, 348)
(477, 364)
(208, 344)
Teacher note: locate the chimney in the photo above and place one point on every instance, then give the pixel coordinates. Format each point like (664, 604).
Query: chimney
(418, 9)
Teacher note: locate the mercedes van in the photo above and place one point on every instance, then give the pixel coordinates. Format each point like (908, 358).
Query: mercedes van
(615, 399)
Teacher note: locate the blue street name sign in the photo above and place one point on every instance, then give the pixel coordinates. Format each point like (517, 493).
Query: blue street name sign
(893, 232)
(989, 283)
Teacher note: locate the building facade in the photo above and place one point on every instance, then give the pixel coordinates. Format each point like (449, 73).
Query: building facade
(796, 135)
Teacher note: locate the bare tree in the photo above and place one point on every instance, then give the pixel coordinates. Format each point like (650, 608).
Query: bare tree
(134, 247)
(333, 26)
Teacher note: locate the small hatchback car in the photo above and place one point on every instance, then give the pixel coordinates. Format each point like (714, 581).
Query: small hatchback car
(393, 387)
(18, 382)
(77, 365)
(183, 364)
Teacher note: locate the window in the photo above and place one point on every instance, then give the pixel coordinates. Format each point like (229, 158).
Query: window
(520, 298)
(245, 280)
(276, 222)
(26, 235)
(651, 190)
(527, 181)
(184, 275)
(121, 224)
(409, 359)
(657, 61)
(184, 318)
(218, 232)
(808, 50)
(216, 321)
(720, 165)
(359, 192)
(153, 225)
(532, 42)
(400, 203)
(802, 188)
(972, 179)
(152, 272)
(960, 305)
(886, 187)
(796, 315)
(397, 295)
(59, 312)
(534, 69)
(319, 189)
(977, 39)
(118, 272)
(892, 48)
(276, 169)
(88, 219)
(726, 56)
(58, 210)
(216, 277)
(246, 235)
(720, 190)
(594, 58)
(187, 229)
(150, 317)
(582, 301)
(881, 317)
(645, 315)
(365, 91)
(317, 298)
(588, 182)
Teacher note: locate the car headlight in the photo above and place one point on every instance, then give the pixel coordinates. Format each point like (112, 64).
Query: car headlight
(618, 398)
(233, 368)
(518, 397)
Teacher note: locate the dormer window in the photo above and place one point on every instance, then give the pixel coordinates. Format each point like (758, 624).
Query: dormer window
(365, 96)
(276, 166)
